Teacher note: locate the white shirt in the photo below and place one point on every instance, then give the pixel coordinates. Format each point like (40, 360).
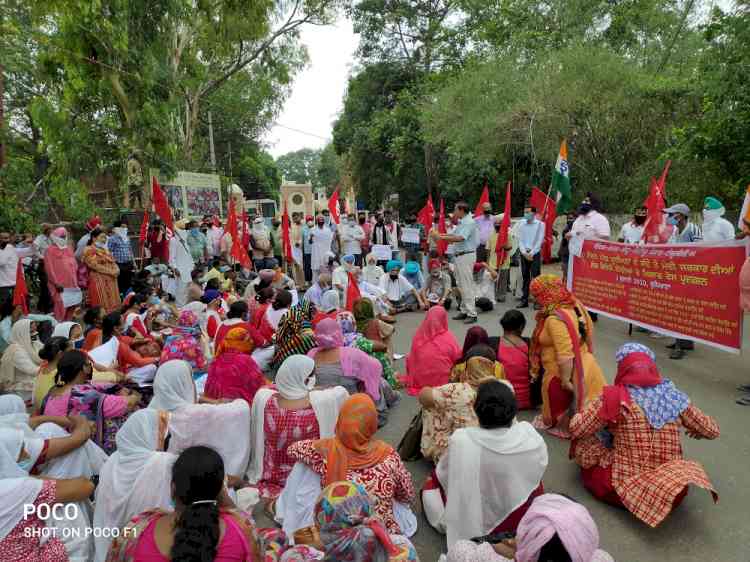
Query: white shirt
(8, 266)
(717, 230)
(530, 236)
(351, 236)
(395, 290)
(340, 277)
(81, 246)
(631, 232)
(592, 225)
(321, 245)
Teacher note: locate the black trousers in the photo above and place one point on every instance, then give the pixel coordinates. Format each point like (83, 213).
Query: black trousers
(45, 300)
(307, 267)
(530, 270)
(482, 252)
(125, 279)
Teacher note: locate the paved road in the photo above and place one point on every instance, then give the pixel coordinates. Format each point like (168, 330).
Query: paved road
(698, 530)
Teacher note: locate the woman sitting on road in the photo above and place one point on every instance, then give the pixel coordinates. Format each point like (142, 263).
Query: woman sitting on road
(490, 474)
(234, 373)
(640, 408)
(474, 336)
(562, 344)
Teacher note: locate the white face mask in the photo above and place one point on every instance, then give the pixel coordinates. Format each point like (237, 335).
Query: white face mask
(712, 214)
(101, 244)
(310, 223)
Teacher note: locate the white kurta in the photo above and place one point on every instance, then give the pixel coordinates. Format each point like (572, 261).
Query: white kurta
(321, 245)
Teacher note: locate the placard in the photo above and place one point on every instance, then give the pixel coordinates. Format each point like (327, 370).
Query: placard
(410, 235)
(382, 252)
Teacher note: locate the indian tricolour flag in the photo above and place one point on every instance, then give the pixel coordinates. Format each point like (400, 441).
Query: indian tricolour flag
(560, 188)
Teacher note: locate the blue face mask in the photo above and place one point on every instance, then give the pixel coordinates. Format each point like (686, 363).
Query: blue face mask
(154, 300)
(195, 230)
(672, 220)
(528, 216)
(78, 343)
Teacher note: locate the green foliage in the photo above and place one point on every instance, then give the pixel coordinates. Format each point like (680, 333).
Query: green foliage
(258, 175)
(300, 166)
(329, 170)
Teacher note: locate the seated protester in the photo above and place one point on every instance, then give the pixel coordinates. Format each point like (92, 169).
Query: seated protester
(21, 532)
(138, 367)
(295, 335)
(345, 519)
(233, 373)
(329, 307)
(92, 331)
(553, 528)
(212, 300)
(373, 326)
(191, 423)
(484, 278)
(10, 314)
(238, 317)
(50, 354)
(400, 293)
(337, 365)
(437, 287)
(258, 309)
(315, 293)
(413, 275)
(354, 455)
(205, 523)
(156, 269)
(340, 275)
(187, 343)
(449, 407)
(282, 300)
(490, 474)
(513, 353)
(291, 412)
(372, 272)
(213, 273)
(71, 331)
(135, 315)
(20, 361)
(434, 351)
(376, 349)
(262, 281)
(280, 279)
(108, 405)
(476, 335)
(136, 477)
(640, 408)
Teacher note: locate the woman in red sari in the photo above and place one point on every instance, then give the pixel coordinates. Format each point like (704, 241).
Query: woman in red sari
(234, 374)
(434, 351)
(103, 272)
(62, 272)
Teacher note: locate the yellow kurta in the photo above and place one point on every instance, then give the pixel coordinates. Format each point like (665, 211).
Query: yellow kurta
(556, 346)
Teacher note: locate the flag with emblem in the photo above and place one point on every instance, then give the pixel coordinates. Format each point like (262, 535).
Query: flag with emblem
(560, 189)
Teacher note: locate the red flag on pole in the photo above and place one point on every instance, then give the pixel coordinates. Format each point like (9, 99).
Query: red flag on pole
(161, 206)
(545, 207)
(20, 291)
(144, 230)
(245, 231)
(352, 292)
(656, 229)
(502, 237)
(485, 198)
(286, 238)
(442, 229)
(426, 214)
(333, 206)
(237, 251)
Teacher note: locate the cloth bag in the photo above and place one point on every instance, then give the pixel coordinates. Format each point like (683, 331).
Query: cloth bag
(409, 448)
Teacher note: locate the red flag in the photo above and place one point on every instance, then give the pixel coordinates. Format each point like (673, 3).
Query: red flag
(20, 292)
(656, 229)
(485, 198)
(545, 208)
(426, 214)
(662, 183)
(286, 238)
(144, 230)
(237, 251)
(161, 206)
(502, 237)
(245, 231)
(442, 245)
(333, 206)
(352, 292)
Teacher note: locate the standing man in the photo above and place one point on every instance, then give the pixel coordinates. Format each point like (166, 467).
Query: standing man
(321, 238)
(307, 249)
(8, 267)
(685, 232)
(331, 224)
(367, 229)
(502, 269)
(261, 244)
(276, 242)
(464, 239)
(381, 236)
(394, 232)
(157, 242)
(119, 244)
(197, 243)
(413, 250)
(715, 227)
(41, 243)
(530, 237)
(296, 234)
(590, 223)
(352, 235)
(631, 232)
(486, 225)
(214, 235)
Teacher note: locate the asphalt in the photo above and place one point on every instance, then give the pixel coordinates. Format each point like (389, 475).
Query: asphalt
(698, 529)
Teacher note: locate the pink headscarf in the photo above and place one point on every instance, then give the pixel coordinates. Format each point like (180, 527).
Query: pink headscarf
(434, 350)
(550, 514)
(328, 334)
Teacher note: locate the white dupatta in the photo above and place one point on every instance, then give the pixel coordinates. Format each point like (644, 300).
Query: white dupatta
(487, 474)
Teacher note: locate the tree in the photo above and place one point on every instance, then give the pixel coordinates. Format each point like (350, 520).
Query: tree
(258, 175)
(300, 166)
(328, 173)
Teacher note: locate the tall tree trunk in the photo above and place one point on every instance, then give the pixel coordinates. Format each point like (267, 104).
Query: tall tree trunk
(430, 168)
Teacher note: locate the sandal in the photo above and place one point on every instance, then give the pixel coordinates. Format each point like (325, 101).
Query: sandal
(744, 401)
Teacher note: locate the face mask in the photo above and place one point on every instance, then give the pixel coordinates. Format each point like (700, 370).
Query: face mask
(101, 245)
(195, 230)
(711, 214)
(672, 220)
(497, 228)
(310, 383)
(143, 309)
(380, 222)
(436, 273)
(362, 220)
(487, 213)
(121, 231)
(528, 216)
(26, 464)
(78, 343)
(639, 219)
(310, 223)
(2, 245)
(320, 223)
(276, 224)
(585, 208)
(35, 335)
(394, 276)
